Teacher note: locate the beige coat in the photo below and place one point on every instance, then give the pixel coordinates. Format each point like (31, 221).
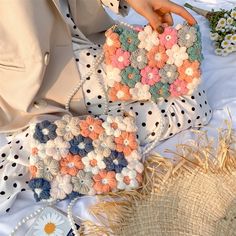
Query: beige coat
(37, 66)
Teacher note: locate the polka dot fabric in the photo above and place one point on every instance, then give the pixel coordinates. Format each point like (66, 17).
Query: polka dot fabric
(144, 65)
(84, 156)
(13, 169)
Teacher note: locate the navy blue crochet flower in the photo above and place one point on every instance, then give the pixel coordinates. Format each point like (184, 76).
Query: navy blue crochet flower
(45, 131)
(81, 146)
(41, 188)
(115, 162)
(73, 195)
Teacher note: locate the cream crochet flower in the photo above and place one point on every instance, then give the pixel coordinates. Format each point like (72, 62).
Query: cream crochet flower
(47, 168)
(148, 38)
(104, 145)
(192, 86)
(177, 55)
(61, 186)
(68, 127)
(40, 147)
(113, 75)
(93, 162)
(57, 148)
(83, 182)
(140, 92)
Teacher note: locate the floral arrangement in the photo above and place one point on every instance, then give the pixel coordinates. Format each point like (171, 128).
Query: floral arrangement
(145, 65)
(223, 28)
(72, 157)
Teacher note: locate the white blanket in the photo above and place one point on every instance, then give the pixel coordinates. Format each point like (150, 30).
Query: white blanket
(219, 80)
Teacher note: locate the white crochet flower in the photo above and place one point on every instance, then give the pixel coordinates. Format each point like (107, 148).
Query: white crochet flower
(193, 85)
(61, 186)
(177, 55)
(178, 26)
(68, 127)
(140, 92)
(134, 155)
(126, 180)
(47, 168)
(93, 162)
(136, 165)
(103, 145)
(148, 38)
(115, 124)
(57, 148)
(39, 148)
(113, 75)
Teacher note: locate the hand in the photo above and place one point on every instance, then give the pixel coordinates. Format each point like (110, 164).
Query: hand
(158, 12)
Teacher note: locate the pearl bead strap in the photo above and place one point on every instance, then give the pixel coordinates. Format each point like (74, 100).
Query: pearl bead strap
(25, 219)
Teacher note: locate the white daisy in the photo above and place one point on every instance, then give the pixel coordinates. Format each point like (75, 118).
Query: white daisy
(49, 225)
(221, 23)
(218, 51)
(233, 14)
(233, 39)
(230, 21)
(225, 43)
(214, 36)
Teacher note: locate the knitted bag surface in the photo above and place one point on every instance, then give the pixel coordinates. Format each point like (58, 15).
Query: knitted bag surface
(144, 65)
(77, 156)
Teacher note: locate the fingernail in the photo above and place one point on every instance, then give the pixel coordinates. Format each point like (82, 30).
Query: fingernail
(160, 29)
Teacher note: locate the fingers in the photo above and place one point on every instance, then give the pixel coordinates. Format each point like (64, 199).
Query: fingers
(167, 18)
(181, 11)
(154, 19)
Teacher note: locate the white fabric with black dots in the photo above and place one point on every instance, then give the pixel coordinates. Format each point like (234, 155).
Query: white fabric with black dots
(178, 113)
(14, 159)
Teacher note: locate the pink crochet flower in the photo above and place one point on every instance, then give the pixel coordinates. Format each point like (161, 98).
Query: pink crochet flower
(157, 56)
(150, 75)
(178, 88)
(169, 37)
(121, 59)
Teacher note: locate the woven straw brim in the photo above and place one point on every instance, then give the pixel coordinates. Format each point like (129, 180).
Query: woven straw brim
(196, 195)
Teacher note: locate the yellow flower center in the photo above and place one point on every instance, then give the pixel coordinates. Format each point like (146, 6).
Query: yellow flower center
(49, 228)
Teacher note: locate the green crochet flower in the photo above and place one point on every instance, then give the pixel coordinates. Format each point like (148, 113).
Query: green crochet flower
(118, 30)
(129, 40)
(130, 76)
(159, 90)
(195, 52)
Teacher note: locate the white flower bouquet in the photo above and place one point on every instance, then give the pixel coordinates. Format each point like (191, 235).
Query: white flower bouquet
(223, 28)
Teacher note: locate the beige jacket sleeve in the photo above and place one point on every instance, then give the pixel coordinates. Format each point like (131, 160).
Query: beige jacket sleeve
(117, 6)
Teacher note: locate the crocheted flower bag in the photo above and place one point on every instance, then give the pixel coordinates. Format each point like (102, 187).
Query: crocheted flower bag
(145, 65)
(73, 157)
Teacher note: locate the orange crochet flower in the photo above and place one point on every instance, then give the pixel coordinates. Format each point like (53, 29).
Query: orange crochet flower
(33, 171)
(71, 164)
(189, 70)
(119, 92)
(91, 127)
(112, 42)
(157, 57)
(105, 181)
(126, 143)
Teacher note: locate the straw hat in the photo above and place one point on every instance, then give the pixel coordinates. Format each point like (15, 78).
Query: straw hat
(196, 195)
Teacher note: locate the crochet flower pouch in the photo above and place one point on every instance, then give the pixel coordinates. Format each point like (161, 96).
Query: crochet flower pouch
(74, 156)
(144, 65)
